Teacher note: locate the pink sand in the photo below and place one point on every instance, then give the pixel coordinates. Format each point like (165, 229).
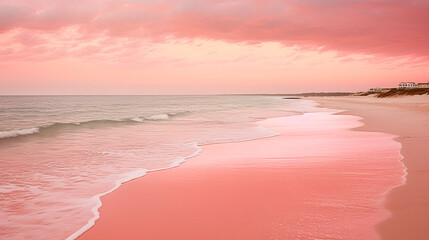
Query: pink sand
(316, 180)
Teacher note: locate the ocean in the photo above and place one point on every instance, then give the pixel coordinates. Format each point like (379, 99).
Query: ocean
(59, 154)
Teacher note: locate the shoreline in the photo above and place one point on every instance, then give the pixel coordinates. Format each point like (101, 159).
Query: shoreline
(139, 173)
(408, 118)
(122, 196)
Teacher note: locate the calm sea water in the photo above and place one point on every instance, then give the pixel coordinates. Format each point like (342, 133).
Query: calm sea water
(59, 154)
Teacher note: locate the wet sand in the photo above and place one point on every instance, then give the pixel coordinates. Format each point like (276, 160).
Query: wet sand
(315, 180)
(407, 117)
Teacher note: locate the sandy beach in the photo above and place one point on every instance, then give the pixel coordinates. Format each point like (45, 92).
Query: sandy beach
(317, 179)
(407, 117)
(214, 120)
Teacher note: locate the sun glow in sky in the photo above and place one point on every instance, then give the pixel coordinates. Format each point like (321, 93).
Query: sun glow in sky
(210, 46)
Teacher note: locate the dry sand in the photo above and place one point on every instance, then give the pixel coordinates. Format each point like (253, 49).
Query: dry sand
(407, 117)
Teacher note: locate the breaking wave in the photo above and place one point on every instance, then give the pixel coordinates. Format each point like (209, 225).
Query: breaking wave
(16, 133)
(91, 123)
(158, 117)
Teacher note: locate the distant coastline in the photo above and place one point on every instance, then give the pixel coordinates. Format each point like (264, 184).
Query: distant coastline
(319, 94)
(392, 92)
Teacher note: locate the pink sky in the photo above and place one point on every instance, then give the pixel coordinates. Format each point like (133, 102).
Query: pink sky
(210, 46)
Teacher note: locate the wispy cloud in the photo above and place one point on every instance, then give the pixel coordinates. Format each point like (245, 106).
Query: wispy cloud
(383, 27)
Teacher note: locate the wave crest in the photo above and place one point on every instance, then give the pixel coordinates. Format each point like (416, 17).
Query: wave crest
(100, 122)
(20, 132)
(137, 119)
(158, 117)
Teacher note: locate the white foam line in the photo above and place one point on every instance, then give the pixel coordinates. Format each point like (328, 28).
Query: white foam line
(138, 173)
(20, 132)
(137, 119)
(158, 117)
(404, 175)
(133, 175)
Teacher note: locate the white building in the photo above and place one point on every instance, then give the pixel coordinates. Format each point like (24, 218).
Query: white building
(407, 85)
(423, 85)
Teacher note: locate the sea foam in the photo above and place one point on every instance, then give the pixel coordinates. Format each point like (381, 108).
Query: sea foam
(158, 117)
(137, 119)
(20, 132)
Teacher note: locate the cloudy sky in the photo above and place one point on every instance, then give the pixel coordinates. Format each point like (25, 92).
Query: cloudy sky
(210, 46)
